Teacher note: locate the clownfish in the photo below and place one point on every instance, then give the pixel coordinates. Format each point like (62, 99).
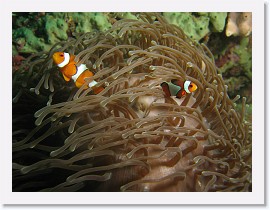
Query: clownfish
(178, 88)
(69, 70)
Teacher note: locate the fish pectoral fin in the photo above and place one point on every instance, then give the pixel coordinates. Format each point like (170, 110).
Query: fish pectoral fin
(66, 78)
(180, 94)
(79, 84)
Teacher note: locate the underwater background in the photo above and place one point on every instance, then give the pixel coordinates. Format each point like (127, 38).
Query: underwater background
(227, 35)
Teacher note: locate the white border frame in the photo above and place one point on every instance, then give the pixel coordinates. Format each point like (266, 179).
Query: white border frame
(257, 196)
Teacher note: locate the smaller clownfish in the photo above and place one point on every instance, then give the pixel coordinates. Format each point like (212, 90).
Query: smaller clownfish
(69, 70)
(178, 88)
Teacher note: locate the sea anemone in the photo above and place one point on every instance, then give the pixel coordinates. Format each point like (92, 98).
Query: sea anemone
(129, 137)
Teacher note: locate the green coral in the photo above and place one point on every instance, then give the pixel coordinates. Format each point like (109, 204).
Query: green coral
(27, 41)
(197, 25)
(237, 66)
(125, 15)
(193, 26)
(245, 56)
(217, 20)
(33, 32)
(86, 22)
(14, 51)
(236, 83)
(56, 29)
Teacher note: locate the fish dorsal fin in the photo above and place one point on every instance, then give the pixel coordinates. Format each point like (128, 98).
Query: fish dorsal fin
(178, 82)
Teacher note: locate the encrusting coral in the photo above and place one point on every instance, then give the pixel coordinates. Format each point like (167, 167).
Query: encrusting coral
(35, 32)
(129, 137)
(197, 25)
(235, 64)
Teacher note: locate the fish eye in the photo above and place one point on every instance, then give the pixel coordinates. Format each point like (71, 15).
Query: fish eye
(190, 86)
(62, 55)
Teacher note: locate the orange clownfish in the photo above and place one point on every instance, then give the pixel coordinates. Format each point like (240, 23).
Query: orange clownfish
(68, 68)
(178, 88)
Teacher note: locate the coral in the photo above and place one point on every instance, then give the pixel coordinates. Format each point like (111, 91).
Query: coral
(14, 51)
(235, 64)
(87, 22)
(194, 27)
(218, 19)
(27, 42)
(56, 29)
(198, 25)
(34, 32)
(129, 137)
(244, 52)
(239, 24)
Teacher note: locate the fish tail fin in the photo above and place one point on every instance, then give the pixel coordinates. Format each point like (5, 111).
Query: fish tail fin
(165, 88)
